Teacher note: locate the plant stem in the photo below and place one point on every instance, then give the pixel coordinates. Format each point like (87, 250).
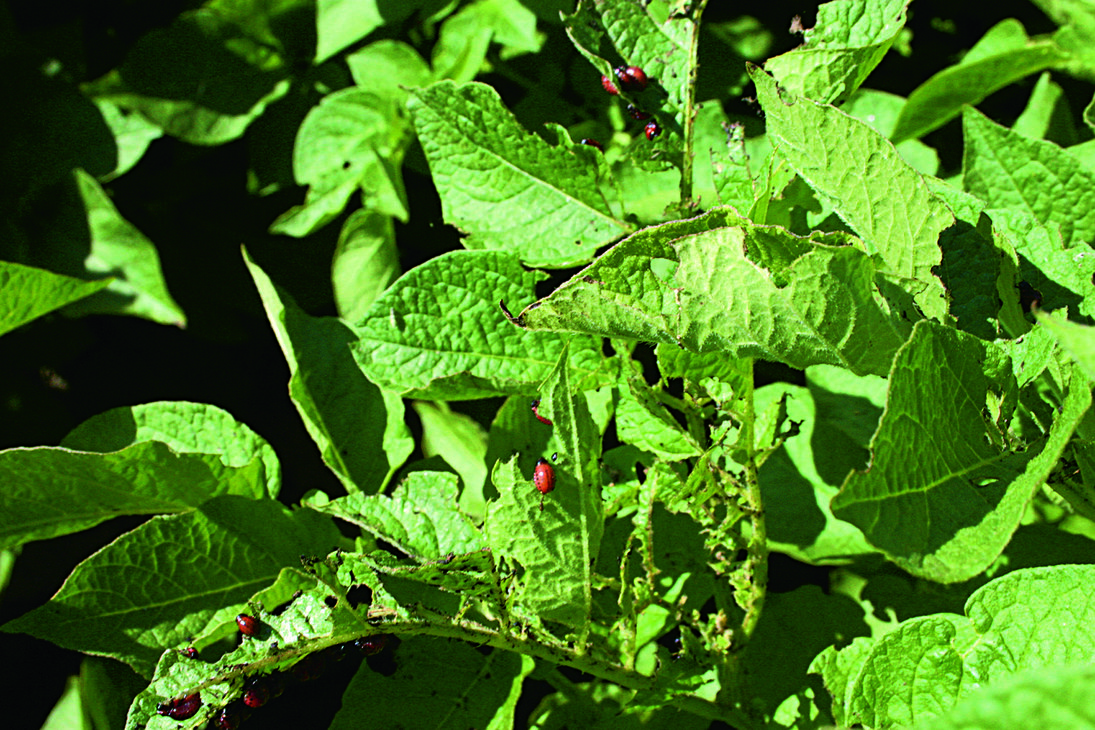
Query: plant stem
(712, 711)
(690, 106)
(757, 550)
(476, 633)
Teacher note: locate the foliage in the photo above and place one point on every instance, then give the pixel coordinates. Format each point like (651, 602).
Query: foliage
(932, 448)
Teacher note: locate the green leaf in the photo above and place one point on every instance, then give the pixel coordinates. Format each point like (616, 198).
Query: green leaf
(353, 139)
(871, 188)
(943, 495)
(366, 262)
(303, 622)
(722, 172)
(133, 133)
(461, 50)
(441, 684)
(642, 36)
(27, 293)
(189, 121)
(1062, 273)
(645, 423)
(1031, 619)
(798, 480)
(410, 341)
(1077, 31)
(1033, 176)
(203, 79)
(120, 251)
(1036, 617)
(68, 712)
(186, 428)
(1059, 697)
(507, 188)
(358, 427)
(721, 283)
(1047, 114)
(514, 423)
(880, 110)
(342, 23)
(558, 544)
(929, 646)
(462, 443)
(54, 491)
(356, 138)
(838, 672)
(840, 51)
(389, 68)
(1076, 339)
(1003, 56)
(420, 518)
(174, 577)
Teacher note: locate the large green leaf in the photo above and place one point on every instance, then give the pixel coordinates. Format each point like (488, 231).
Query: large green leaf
(721, 283)
(1003, 56)
(438, 333)
(420, 517)
(840, 51)
(187, 428)
(353, 139)
(558, 542)
(1032, 619)
(120, 251)
(358, 427)
(1034, 176)
(27, 293)
(366, 262)
(870, 187)
(174, 577)
(943, 492)
(462, 45)
(205, 77)
(508, 188)
(54, 491)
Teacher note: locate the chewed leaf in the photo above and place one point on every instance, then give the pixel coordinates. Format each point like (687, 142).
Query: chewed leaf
(420, 517)
(720, 283)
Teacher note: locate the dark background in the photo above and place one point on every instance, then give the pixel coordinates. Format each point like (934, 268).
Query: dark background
(192, 202)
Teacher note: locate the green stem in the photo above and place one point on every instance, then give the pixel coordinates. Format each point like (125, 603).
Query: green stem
(690, 106)
(475, 633)
(712, 711)
(757, 549)
(481, 635)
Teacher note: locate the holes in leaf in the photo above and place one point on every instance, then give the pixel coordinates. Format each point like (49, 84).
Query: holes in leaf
(390, 548)
(671, 640)
(360, 595)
